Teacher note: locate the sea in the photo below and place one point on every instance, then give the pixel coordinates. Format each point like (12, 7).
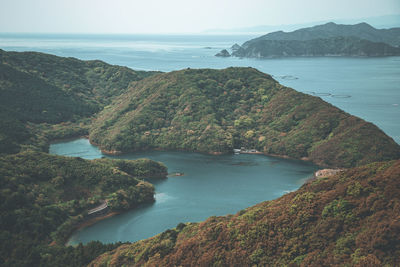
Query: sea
(365, 87)
(218, 185)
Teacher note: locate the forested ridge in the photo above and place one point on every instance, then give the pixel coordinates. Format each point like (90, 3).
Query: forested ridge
(45, 97)
(44, 197)
(215, 111)
(41, 90)
(350, 219)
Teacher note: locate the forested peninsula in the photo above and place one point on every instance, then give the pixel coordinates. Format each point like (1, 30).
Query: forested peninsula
(45, 197)
(215, 111)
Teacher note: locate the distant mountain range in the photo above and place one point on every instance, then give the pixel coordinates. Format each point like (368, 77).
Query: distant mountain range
(329, 39)
(381, 22)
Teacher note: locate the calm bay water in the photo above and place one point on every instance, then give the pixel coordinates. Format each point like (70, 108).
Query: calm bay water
(365, 87)
(212, 185)
(219, 185)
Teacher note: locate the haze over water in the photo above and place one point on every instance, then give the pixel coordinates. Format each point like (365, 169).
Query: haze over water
(365, 87)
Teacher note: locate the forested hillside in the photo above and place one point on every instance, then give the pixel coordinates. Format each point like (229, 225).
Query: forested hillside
(44, 97)
(215, 111)
(44, 197)
(90, 82)
(42, 88)
(350, 219)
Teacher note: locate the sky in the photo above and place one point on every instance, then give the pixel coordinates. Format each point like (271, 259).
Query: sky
(176, 16)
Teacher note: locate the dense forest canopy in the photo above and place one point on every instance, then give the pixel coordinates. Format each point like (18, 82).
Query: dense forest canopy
(45, 97)
(350, 219)
(43, 197)
(42, 88)
(217, 110)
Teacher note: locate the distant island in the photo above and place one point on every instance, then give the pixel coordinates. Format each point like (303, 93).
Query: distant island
(329, 39)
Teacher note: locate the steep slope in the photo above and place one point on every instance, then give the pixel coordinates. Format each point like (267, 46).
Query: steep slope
(350, 219)
(29, 98)
(43, 197)
(41, 88)
(215, 111)
(90, 82)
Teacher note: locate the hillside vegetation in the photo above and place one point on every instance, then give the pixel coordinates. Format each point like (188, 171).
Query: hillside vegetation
(92, 83)
(43, 97)
(42, 88)
(214, 111)
(43, 198)
(350, 219)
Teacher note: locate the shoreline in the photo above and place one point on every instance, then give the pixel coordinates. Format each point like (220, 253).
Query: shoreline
(104, 151)
(89, 222)
(215, 153)
(62, 140)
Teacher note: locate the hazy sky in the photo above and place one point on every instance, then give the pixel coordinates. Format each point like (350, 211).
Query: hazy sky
(176, 16)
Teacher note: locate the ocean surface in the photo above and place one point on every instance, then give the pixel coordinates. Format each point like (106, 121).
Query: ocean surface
(211, 185)
(365, 87)
(218, 185)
